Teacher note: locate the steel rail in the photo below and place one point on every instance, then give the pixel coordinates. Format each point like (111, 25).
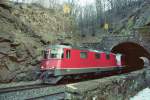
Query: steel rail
(20, 88)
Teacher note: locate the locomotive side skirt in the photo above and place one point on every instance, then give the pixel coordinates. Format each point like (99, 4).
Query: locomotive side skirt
(59, 72)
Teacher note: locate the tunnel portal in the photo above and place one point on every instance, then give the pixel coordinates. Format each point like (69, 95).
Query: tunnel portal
(133, 53)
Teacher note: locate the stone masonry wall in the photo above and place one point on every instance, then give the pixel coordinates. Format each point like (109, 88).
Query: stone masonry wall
(120, 87)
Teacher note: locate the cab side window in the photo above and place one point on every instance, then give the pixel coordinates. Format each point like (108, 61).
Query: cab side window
(62, 56)
(83, 55)
(97, 55)
(68, 54)
(107, 56)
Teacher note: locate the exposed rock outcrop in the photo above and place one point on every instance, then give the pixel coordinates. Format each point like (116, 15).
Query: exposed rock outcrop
(24, 31)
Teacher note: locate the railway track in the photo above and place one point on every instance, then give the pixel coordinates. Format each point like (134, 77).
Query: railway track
(33, 92)
(53, 96)
(20, 88)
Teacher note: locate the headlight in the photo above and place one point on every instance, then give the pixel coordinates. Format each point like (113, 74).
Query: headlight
(53, 67)
(42, 66)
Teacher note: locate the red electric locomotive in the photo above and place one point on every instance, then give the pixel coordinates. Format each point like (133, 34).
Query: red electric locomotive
(60, 61)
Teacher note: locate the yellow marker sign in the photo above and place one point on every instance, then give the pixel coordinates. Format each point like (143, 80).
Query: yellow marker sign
(106, 26)
(66, 9)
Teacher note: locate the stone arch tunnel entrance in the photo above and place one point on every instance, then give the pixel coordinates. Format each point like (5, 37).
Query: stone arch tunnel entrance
(133, 53)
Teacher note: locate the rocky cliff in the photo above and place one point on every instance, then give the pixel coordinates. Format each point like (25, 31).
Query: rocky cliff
(136, 18)
(24, 31)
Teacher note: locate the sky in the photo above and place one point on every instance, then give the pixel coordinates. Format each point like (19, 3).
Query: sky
(80, 2)
(84, 2)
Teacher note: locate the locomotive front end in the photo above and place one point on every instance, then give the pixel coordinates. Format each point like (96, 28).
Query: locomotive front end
(51, 58)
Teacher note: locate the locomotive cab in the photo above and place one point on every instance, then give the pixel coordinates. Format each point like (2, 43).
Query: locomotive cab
(51, 58)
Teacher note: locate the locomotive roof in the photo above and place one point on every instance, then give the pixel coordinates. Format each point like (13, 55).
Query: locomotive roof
(59, 46)
(67, 46)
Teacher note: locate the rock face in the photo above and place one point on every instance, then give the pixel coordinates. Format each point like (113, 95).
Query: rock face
(138, 17)
(24, 31)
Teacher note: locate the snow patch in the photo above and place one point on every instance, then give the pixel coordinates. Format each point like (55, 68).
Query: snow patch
(142, 95)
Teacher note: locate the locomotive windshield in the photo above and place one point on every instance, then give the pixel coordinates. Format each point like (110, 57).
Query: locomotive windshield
(53, 53)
